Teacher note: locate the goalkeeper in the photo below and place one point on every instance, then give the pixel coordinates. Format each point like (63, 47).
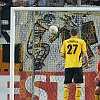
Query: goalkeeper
(72, 50)
(97, 79)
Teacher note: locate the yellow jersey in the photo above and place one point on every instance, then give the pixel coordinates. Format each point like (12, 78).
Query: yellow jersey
(73, 48)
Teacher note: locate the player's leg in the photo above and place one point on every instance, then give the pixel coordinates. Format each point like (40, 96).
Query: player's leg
(97, 91)
(66, 92)
(78, 92)
(78, 79)
(68, 80)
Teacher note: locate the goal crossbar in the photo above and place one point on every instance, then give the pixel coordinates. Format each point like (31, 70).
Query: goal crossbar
(55, 8)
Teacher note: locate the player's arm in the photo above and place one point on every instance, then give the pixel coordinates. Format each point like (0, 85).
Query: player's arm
(98, 76)
(84, 50)
(62, 55)
(86, 59)
(62, 52)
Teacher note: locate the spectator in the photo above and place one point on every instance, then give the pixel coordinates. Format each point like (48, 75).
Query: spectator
(18, 3)
(31, 3)
(15, 3)
(95, 2)
(46, 3)
(43, 3)
(23, 3)
(74, 2)
(5, 3)
(36, 3)
(56, 3)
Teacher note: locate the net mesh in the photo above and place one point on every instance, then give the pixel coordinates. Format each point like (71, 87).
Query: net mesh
(47, 46)
(48, 65)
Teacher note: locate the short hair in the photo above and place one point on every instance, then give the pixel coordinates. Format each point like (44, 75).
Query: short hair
(98, 47)
(74, 31)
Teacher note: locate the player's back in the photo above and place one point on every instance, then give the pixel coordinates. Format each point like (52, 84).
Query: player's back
(73, 49)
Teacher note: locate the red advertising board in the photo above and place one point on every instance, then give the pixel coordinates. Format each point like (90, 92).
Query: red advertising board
(47, 85)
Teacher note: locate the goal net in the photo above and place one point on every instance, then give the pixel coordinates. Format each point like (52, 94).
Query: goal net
(36, 68)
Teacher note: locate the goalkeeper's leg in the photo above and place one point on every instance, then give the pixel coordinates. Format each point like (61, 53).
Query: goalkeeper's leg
(97, 93)
(78, 91)
(66, 92)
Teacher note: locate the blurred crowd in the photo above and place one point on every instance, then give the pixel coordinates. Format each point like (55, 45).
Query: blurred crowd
(54, 3)
(46, 3)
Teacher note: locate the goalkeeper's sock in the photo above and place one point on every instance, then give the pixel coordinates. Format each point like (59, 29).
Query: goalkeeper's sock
(97, 97)
(66, 93)
(78, 93)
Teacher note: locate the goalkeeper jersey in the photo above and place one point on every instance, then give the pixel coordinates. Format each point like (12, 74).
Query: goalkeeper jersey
(73, 48)
(99, 65)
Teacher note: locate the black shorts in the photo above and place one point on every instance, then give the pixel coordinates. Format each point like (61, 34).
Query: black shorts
(73, 73)
(98, 84)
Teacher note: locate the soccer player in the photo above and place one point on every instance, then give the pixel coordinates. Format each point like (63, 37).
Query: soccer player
(97, 78)
(72, 50)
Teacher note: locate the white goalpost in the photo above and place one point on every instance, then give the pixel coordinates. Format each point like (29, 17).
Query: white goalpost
(13, 30)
